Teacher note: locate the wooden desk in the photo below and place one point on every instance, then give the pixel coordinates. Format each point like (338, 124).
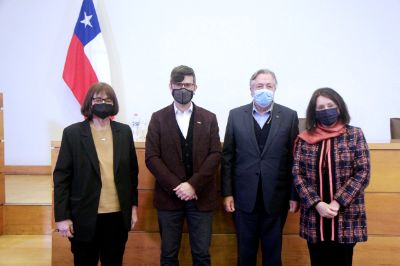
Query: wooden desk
(382, 197)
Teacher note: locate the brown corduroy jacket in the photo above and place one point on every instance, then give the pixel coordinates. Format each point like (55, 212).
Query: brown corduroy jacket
(164, 158)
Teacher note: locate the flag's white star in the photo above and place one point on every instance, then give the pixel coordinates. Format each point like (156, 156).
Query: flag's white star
(86, 21)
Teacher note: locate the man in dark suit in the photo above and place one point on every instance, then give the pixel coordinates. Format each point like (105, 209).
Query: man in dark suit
(256, 171)
(183, 152)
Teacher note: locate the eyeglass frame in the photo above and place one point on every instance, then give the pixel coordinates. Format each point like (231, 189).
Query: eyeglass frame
(99, 100)
(185, 85)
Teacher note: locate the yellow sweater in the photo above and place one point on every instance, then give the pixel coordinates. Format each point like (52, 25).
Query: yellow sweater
(103, 142)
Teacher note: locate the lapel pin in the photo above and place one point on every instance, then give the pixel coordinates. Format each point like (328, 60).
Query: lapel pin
(198, 122)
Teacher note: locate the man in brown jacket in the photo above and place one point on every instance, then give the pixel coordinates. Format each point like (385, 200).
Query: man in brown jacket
(183, 152)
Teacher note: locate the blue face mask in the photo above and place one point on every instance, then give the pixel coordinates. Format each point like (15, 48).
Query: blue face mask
(263, 97)
(327, 117)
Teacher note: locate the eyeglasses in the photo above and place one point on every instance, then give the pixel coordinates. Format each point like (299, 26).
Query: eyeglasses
(101, 100)
(185, 85)
(260, 86)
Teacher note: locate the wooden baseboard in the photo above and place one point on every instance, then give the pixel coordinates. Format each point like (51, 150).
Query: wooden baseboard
(27, 169)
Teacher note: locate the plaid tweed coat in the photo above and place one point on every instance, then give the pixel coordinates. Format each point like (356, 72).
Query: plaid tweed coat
(352, 173)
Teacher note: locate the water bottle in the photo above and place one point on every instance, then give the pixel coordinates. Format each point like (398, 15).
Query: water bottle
(136, 126)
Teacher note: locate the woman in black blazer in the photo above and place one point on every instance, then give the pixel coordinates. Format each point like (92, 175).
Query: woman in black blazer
(95, 182)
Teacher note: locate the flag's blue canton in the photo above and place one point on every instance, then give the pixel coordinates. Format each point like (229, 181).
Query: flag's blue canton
(86, 34)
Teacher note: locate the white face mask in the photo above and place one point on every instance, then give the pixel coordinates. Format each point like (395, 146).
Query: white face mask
(263, 97)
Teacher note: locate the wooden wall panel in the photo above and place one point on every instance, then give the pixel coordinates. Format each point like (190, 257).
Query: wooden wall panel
(1, 123)
(146, 179)
(2, 179)
(222, 221)
(1, 219)
(383, 213)
(294, 251)
(2, 189)
(61, 251)
(385, 171)
(378, 250)
(147, 214)
(1, 156)
(27, 219)
(55, 149)
(1, 117)
(143, 247)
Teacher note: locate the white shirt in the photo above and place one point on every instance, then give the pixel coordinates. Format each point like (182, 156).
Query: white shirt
(183, 119)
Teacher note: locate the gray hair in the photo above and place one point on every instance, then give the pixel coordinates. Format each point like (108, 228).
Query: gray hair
(263, 71)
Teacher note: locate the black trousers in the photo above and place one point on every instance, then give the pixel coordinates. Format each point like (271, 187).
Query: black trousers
(108, 243)
(171, 226)
(328, 253)
(255, 227)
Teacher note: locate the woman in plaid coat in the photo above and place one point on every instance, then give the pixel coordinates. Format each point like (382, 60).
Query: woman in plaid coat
(331, 169)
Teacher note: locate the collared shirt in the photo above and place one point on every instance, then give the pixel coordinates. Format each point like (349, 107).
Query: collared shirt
(183, 118)
(262, 118)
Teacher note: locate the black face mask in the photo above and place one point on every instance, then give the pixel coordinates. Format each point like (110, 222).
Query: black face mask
(327, 117)
(182, 96)
(102, 110)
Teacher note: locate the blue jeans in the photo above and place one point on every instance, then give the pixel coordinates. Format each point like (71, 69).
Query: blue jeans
(171, 226)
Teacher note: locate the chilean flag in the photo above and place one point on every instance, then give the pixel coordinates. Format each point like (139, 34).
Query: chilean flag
(87, 60)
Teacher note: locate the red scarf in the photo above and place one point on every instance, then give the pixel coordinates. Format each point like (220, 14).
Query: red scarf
(321, 133)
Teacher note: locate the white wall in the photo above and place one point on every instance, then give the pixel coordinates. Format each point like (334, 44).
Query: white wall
(351, 46)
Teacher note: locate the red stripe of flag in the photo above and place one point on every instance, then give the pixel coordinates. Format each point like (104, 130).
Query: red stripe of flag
(78, 72)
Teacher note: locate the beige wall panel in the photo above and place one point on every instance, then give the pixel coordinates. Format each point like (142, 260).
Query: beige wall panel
(385, 171)
(2, 189)
(383, 213)
(378, 250)
(146, 179)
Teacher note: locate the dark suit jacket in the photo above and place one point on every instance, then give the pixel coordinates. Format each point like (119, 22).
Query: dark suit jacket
(243, 162)
(164, 158)
(77, 181)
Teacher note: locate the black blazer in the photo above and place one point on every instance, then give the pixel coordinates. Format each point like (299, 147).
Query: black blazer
(77, 181)
(243, 162)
